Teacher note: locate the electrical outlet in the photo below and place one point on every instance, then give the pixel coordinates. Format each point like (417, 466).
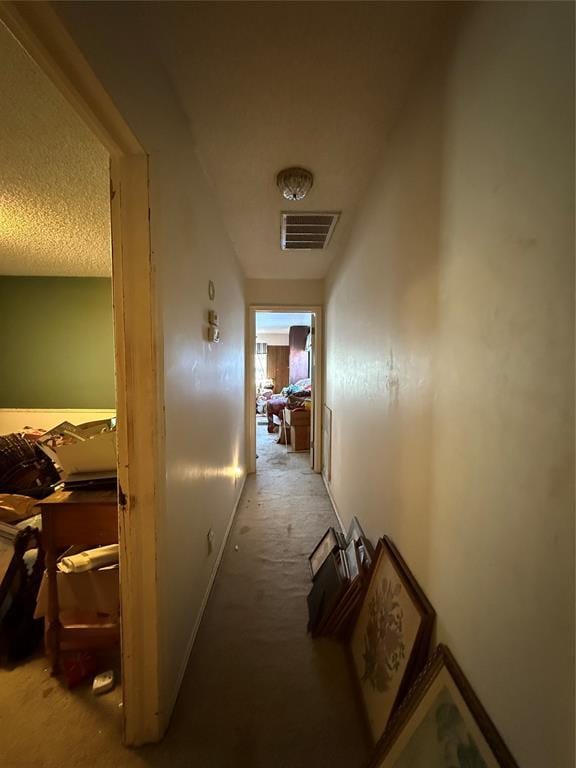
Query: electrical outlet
(210, 538)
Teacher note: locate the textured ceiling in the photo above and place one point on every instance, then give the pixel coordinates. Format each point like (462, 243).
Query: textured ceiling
(268, 85)
(54, 182)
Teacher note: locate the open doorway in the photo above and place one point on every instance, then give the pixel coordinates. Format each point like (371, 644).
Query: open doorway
(57, 400)
(39, 33)
(284, 386)
(283, 371)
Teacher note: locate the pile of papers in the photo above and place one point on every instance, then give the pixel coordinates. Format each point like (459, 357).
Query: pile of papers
(85, 454)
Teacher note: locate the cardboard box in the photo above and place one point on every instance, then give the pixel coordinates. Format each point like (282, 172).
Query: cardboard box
(299, 438)
(297, 418)
(91, 594)
(97, 454)
(87, 450)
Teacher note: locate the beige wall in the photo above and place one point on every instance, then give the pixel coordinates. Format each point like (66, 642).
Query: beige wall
(16, 419)
(273, 339)
(303, 293)
(450, 352)
(203, 382)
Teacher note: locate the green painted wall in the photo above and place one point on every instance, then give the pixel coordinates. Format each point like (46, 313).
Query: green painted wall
(56, 342)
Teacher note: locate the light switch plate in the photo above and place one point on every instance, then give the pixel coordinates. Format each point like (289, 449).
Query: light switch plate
(213, 333)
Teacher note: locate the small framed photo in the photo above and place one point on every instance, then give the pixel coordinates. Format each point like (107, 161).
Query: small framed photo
(327, 592)
(441, 723)
(365, 553)
(327, 544)
(355, 531)
(341, 619)
(391, 637)
(352, 560)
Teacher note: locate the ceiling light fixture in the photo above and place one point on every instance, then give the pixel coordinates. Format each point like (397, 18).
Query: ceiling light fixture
(295, 183)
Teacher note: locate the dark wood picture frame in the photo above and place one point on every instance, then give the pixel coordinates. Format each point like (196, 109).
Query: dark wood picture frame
(343, 611)
(419, 650)
(327, 544)
(327, 591)
(441, 659)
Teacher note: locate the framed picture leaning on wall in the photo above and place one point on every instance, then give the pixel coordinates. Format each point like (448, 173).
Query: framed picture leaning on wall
(391, 638)
(331, 541)
(441, 724)
(355, 531)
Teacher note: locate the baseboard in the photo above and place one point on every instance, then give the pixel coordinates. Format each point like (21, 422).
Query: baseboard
(332, 501)
(203, 605)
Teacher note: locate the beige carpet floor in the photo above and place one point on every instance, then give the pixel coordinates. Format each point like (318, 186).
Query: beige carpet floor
(258, 691)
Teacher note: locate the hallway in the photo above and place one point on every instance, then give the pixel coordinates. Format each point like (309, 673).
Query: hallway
(258, 691)
(403, 173)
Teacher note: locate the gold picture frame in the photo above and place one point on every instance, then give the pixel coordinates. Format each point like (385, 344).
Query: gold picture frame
(391, 638)
(441, 723)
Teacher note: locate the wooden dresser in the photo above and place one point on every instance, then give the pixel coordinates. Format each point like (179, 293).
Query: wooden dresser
(86, 519)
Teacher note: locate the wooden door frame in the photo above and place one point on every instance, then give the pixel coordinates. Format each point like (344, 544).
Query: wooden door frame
(317, 396)
(138, 356)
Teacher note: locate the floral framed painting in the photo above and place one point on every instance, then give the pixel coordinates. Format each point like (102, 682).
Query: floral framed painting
(442, 724)
(391, 639)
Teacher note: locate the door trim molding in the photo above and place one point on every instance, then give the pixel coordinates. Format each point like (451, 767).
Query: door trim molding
(317, 391)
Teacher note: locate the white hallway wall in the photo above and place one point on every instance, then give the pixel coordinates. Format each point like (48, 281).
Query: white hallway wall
(450, 337)
(304, 293)
(203, 383)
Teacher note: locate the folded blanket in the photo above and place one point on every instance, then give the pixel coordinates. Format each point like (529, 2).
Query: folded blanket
(90, 559)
